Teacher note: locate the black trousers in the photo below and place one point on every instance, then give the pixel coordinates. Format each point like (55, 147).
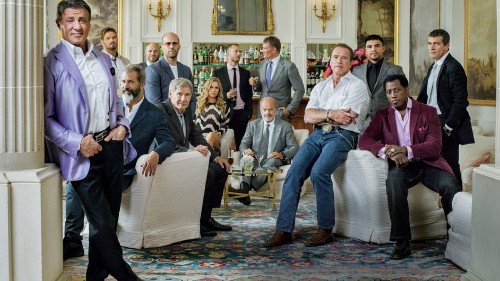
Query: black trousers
(100, 193)
(399, 180)
(239, 122)
(449, 151)
(214, 188)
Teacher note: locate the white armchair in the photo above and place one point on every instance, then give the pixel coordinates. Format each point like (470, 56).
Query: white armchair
(165, 208)
(361, 209)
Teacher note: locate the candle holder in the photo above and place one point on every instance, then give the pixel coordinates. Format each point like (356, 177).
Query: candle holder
(159, 12)
(324, 16)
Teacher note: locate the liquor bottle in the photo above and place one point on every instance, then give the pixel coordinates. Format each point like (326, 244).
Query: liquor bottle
(256, 55)
(211, 55)
(246, 58)
(321, 75)
(250, 54)
(195, 78)
(205, 55)
(200, 56)
(221, 55)
(207, 74)
(211, 72)
(195, 56)
(225, 56)
(308, 80)
(216, 56)
(316, 77)
(201, 77)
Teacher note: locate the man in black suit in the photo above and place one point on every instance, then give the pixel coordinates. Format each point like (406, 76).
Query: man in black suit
(162, 72)
(147, 123)
(445, 88)
(152, 55)
(185, 132)
(237, 94)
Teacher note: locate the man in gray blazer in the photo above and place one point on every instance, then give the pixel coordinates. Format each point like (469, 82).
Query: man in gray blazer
(276, 78)
(373, 73)
(161, 73)
(276, 149)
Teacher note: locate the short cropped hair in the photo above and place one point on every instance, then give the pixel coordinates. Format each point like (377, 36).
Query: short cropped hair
(73, 4)
(401, 78)
(270, 99)
(441, 32)
(374, 37)
(106, 30)
(273, 41)
(179, 83)
(345, 46)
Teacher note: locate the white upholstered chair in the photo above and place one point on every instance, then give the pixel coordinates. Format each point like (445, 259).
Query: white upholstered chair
(165, 208)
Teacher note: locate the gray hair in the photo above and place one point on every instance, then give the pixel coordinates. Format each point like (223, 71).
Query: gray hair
(141, 74)
(269, 99)
(179, 83)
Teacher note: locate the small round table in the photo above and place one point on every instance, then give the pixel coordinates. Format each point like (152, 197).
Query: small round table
(270, 193)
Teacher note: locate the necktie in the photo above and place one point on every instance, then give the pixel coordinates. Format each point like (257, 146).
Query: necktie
(265, 142)
(269, 71)
(183, 124)
(235, 81)
(372, 77)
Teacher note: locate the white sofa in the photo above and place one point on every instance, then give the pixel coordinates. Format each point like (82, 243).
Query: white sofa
(165, 208)
(458, 248)
(361, 209)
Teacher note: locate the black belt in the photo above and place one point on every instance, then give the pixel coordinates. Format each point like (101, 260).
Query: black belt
(100, 136)
(327, 127)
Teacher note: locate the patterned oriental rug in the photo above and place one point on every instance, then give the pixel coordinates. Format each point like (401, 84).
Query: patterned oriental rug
(239, 255)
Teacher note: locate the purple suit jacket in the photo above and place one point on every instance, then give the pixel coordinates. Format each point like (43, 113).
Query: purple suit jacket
(425, 134)
(67, 111)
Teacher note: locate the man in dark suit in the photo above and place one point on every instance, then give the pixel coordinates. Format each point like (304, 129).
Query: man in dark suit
(445, 88)
(237, 94)
(147, 123)
(276, 78)
(373, 73)
(270, 138)
(162, 72)
(185, 132)
(408, 135)
(152, 55)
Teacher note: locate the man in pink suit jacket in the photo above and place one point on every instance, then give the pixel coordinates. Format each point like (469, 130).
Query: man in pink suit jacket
(408, 135)
(85, 134)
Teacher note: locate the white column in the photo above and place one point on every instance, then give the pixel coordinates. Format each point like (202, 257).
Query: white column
(485, 249)
(30, 192)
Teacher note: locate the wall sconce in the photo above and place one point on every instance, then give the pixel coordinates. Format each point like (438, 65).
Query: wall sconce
(159, 12)
(324, 16)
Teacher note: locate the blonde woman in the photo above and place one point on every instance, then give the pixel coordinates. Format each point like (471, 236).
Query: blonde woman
(213, 115)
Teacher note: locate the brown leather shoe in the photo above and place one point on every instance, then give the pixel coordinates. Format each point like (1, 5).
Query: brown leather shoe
(279, 238)
(322, 237)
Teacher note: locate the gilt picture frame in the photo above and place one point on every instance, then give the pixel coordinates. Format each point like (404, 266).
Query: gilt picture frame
(105, 14)
(238, 17)
(480, 49)
(380, 17)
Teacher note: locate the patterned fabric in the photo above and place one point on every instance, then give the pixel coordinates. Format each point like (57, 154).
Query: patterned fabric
(212, 119)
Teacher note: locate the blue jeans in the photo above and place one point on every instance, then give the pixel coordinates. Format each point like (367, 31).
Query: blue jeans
(318, 158)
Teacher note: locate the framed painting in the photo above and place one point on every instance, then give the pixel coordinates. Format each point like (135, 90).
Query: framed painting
(424, 17)
(105, 13)
(481, 51)
(379, 17)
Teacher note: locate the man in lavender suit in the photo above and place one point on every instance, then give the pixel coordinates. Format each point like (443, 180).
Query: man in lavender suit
(408, 135)
(85, 134)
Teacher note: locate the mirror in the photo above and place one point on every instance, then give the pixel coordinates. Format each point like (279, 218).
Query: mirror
(242, 17)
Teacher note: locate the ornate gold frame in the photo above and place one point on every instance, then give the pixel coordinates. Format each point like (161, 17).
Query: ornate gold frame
(270, 23)
(466, 57)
